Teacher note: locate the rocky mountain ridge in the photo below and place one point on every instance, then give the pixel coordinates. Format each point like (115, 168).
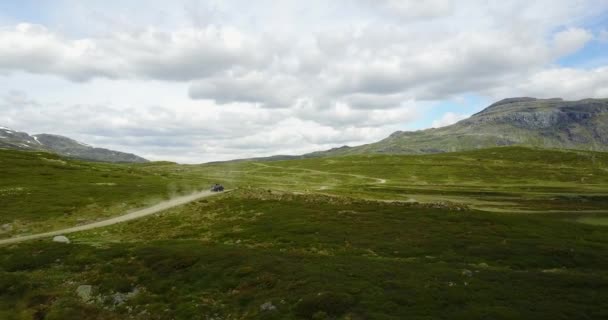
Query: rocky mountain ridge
(544, 123)
(11, 139)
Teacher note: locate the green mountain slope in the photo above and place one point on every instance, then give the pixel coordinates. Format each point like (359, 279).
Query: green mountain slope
(546, 123)
(41, 191)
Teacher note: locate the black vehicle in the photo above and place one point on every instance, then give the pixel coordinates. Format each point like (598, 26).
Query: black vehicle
(217, 188)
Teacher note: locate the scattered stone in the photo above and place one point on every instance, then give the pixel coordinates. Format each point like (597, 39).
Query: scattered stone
(61, 239)
(7, 227)
(84, 292)
(119, 298)
(267, 306)
(554, 270)
(467, 273)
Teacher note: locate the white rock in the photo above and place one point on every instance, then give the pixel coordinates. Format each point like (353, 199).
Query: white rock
(268, 306)
(120, 298)
(61, 239)
(84, 292)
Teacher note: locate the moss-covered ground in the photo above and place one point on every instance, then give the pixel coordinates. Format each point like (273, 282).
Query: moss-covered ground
(506, 233)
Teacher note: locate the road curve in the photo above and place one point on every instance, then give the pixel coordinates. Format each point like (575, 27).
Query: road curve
(360, 176)
(127, 217)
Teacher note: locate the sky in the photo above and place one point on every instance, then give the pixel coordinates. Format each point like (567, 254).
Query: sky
(198, 81)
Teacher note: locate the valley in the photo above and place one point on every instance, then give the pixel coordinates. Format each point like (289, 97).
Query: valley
(447, 236)
(304, 160)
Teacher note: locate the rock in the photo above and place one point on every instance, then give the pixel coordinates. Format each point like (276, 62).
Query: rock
(267, 306)
(61, 239)
(84, 292)
(546, 123)
(7, 227)
(467, 273)
(120, 298)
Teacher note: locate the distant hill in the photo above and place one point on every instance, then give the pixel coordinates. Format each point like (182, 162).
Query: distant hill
(11, 139)
(545, 123)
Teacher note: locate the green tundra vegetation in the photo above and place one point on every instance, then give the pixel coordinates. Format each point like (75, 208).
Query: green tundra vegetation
(502, 233)
(42, 191)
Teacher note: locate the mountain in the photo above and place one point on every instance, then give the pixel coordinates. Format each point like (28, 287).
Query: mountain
(11, 139)
(545, 123)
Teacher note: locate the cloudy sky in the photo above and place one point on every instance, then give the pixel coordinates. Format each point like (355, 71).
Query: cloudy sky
(196, 81)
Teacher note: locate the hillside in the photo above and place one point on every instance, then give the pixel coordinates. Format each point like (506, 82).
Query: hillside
(40, 191)
(11, 139)
(437, 236)
(545, 123)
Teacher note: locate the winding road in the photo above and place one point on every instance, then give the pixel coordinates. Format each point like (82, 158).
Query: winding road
(360, 176)
(127, 217)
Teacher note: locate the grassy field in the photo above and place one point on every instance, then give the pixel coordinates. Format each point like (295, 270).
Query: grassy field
(43, 192)
(507, 233)
(511, 179)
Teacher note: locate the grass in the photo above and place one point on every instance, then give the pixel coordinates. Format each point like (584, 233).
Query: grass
(498, 179)
(481, 242)
(42, 192)
(596, 221)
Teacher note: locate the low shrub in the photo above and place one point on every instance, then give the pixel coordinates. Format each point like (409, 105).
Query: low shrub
(324, 304)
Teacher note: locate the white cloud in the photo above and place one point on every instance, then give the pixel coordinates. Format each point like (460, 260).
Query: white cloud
(448, 118)
(184, 54)
(571, 40)
(603, 35)
(375, 65)
(188, 134)
(567, 83)
(267, 89)
(413, 9)
(197, 81)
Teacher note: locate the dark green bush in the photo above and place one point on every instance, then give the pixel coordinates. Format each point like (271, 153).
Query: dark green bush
(13, 285)
(329, 303)
(69, 309)
(24, 260)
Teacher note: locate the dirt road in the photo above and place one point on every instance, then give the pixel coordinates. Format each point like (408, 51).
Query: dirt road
(129, 216)
(360, 176)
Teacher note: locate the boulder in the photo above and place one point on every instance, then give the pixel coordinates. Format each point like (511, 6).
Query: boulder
(61, 239)
(84, 292)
